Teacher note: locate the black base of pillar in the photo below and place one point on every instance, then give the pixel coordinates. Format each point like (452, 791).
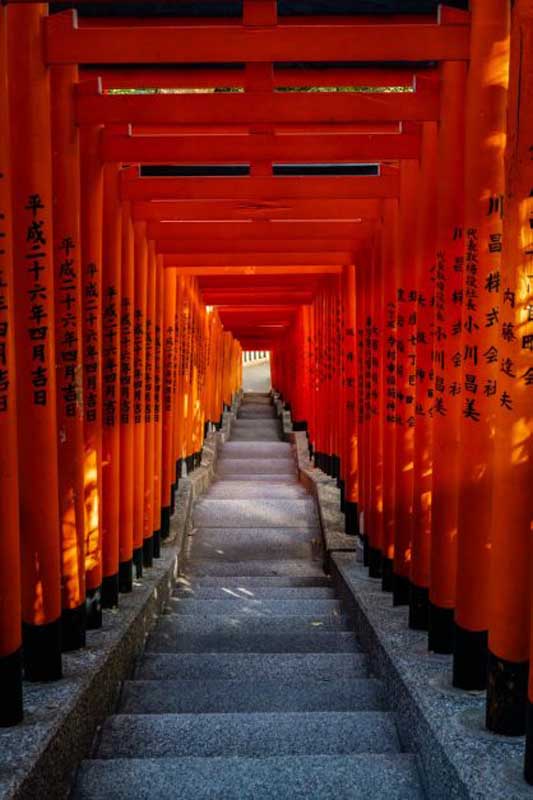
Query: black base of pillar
(179, 470)
(528, 760)
(148, 552)
(364, 539)
(206, 429)
(41, 650)
(351, 514)
(400, 590)
(110, 591)
(418, 608)
(138, 562)
(441, 630)
(73, 627)
(93, 602)
(157, 544)
(173, 490)
(165, 522)
(387, 577)
(506, 696)
(299, 425)
(311, 451)
(342, 487)
(11, 710)
(374, 562)
(335, 466)
(470, 659)
(125, 576)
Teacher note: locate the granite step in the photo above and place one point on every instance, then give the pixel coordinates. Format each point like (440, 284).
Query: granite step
(253, 583)
(257, 412)
(252, 734)
(252, 666)
(253, 436)
(244, 696)
(261, 593)
(265, 478)
(228, 544)
(257, 449)
(254, 513)
(316, 640)
(321, 777)
(256, 424)
(238, 490)
(248, 607)
(260, 568)
(173, 625)
(255, 466)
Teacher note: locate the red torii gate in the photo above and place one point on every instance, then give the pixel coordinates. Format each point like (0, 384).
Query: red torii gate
(152, 225)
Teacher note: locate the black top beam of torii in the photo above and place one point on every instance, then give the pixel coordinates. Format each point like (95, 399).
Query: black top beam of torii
(233, 8)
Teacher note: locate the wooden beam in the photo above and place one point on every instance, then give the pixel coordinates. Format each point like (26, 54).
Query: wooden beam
(227, 246)
(66, 43)
(287, 209)
(255, 108)
(233, 231)
(224, 78)
(214, 298)
(243, 149)
(260, 189)
(252, 260)
(205, 274)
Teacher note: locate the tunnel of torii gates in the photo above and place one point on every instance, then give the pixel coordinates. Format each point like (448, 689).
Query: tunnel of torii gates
(377, 241)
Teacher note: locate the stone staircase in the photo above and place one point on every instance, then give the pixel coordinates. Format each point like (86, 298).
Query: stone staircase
(252, 686)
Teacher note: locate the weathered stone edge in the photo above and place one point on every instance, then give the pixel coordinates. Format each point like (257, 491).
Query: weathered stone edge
(458, 759)
(321, 486)
(38, 757)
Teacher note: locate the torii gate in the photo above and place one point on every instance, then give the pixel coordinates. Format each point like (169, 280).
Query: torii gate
(397, 275)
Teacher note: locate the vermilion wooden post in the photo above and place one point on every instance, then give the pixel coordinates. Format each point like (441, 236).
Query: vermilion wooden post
(512, 506)
(425, 406)
(111, 312)
(181, 323)
(389, 255)
(169, 355)
(10, 606)
(33, 291)
(361, 311)
(139, 370)
(158, 397)
(375, 531)
(405, 387)
(351, 486)
(485, 368)
(449, 263)
(148, 513)
(69, 352)
(127, 425)
(91, 251)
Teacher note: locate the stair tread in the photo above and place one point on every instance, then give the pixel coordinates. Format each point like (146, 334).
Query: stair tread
(260, 608)
(252, 582)
(373, 777)
(251, 734)
(299, 568)
(266, 593)
(218, 696)
(313, 641)
(232, 666)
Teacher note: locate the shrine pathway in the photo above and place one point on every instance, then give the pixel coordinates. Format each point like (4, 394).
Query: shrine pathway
(253, 685)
